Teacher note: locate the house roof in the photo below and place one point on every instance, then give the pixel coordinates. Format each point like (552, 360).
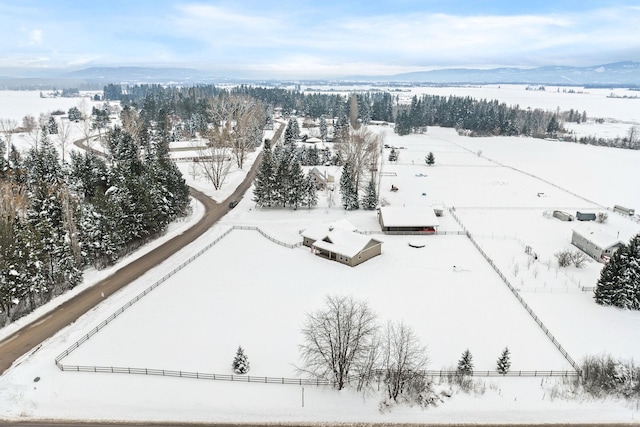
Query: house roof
(347, 243)
(394, 216)
(319, 231)
(598, 237)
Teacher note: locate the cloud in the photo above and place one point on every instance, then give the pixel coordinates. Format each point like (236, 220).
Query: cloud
(35, 37)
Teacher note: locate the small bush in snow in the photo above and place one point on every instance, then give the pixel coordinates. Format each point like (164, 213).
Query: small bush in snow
(564, 258)
(578, 258)
(602, 217)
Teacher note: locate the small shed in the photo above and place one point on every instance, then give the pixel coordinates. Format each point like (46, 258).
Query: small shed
(585, 216)
(418, 220)
(562, 216)
(595, 243)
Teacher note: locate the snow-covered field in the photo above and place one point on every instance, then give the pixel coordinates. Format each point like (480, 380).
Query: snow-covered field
(15, 104)
(249, 291)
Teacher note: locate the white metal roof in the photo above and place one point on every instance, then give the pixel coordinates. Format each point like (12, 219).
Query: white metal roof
(320, 231)
(347, 243)
(598, 237)
(394, 216)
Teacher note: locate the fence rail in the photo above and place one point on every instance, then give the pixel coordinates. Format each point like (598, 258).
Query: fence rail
(515, 292)
(163, 279)
(283, 380)
(294, 381)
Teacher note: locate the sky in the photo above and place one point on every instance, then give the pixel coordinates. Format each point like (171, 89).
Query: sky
(328, 38)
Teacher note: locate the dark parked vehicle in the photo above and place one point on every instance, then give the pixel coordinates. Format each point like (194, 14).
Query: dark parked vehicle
(233, 204)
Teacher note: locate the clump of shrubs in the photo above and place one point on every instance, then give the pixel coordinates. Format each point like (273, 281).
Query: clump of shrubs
(604, 376)
(566, 258)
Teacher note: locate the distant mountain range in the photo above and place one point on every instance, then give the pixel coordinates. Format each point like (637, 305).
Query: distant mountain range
(625, 74)
(619, 73)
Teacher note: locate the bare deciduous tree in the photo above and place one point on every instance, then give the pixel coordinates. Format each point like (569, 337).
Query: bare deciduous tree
(7, 128)
(244, 118)
(64, 134)
(215, 158)
(338, 338)
(362, 151)
(404, 361)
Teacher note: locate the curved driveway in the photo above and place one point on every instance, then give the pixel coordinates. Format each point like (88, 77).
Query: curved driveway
(34, 333)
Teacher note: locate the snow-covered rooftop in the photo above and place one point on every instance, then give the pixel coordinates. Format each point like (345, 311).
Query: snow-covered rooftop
(320, 231)
(395, 216)
(344, 242)
(598, 237)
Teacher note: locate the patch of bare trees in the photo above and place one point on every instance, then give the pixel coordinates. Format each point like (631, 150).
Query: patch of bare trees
(344, 343)
(240, 120)
(7, 128)
(361, 149)
(214, 158)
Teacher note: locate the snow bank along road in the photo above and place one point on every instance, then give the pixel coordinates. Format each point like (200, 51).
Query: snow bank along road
(34, 333)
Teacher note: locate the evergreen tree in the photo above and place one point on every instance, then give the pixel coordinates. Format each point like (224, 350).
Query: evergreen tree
(323, 128)
(311, 192)
(313, 158)
(240, 363)
(74, 114)
(465, 364)
(430, 159)
(52, 126)
(292, 132)
(348, 189)
(296, 191)
(619, 283)
(370, 199)
(504, 362)
(264, 191)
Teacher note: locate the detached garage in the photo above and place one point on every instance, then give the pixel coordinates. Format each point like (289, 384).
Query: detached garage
(414, 220)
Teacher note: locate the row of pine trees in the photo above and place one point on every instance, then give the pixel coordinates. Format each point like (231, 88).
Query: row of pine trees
(57, 218)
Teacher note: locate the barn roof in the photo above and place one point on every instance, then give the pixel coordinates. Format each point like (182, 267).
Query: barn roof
(598, 237)
(394, 216)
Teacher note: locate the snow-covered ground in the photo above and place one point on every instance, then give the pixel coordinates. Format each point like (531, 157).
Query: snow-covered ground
(15, 104)
(249, 291)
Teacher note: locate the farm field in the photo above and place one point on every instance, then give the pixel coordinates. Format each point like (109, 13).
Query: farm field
(249, 291)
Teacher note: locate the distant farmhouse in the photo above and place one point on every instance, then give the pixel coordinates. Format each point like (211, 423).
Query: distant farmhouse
(595, 243)
(418, 220)
(338, 241)
(322, 179)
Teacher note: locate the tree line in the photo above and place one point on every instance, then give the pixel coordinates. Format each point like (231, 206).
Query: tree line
(58, 217)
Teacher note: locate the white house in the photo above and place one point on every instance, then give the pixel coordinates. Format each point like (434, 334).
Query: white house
(338, 241)
(595, 243)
